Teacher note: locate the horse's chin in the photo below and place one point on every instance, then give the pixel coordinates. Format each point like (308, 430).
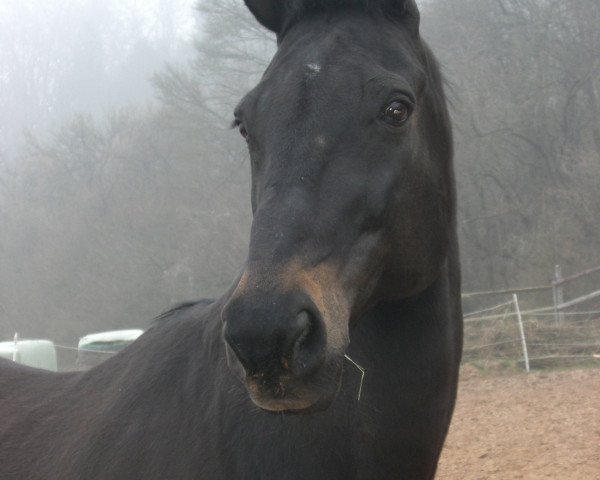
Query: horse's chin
(295, 396)
(289, 395)
(317, 407)
(294, 407)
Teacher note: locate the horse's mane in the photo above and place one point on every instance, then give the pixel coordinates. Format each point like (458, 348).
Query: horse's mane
(286, 14)
(297, 8)
(172, 312)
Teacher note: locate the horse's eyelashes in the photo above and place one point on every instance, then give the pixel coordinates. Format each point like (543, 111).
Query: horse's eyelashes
(242, 129)
(243, 132)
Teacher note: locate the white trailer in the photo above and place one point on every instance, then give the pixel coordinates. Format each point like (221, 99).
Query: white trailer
(33, 353)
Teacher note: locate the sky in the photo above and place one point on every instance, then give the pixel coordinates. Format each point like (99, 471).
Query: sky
(60, 57)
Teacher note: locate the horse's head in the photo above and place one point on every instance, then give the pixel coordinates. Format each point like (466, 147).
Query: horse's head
(352, 190)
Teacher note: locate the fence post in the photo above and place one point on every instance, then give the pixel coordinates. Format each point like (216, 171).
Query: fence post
(557, 294)
(16, 350)
(522, 332)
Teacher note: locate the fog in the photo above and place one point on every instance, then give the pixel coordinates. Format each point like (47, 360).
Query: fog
(60, 58)
(123, 191)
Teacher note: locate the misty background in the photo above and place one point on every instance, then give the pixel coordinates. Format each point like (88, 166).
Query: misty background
(123, 191)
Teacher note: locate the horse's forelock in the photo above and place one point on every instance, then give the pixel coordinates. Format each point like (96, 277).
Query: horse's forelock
(383, 6)
(279, 15)
(392, 8)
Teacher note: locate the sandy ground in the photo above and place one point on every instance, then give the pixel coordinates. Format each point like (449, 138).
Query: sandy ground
(536, 426)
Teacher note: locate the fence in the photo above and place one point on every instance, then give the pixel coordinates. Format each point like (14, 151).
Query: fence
(515, 331)
(564, 332)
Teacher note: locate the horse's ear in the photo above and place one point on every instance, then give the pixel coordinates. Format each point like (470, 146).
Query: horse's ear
(405, 10)
(270, 13)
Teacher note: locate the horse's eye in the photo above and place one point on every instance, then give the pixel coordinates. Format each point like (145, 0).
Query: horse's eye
(396, 113)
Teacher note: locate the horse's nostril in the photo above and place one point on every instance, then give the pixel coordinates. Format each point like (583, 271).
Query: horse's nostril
(308, 346)
(275, 338)
(307, 329)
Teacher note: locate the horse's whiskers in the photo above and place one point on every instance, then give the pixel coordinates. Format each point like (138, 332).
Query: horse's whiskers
(362, 375)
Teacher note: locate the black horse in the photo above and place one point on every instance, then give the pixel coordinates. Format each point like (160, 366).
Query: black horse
(353, 260)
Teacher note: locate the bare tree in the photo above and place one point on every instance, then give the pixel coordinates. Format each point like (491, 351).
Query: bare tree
(525, 75)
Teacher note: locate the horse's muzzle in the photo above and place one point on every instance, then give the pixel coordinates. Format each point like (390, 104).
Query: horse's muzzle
(278, 345)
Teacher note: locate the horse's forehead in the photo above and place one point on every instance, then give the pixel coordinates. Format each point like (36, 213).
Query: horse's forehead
(351, 53)
(337, 47)
(321, 71)
(313, 61)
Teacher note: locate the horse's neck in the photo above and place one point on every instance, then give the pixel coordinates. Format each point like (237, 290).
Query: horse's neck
(396, 342)
(410, 350)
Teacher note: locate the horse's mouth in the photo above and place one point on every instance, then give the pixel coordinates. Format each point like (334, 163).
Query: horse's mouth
(288, 395)
(320, 406)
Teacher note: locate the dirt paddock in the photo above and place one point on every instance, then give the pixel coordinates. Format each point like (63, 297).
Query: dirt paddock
(536, 426)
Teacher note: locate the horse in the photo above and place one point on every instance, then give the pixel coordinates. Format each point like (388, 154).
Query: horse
(335, 352)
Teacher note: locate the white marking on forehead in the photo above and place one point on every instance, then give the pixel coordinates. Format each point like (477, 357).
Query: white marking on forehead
(321, 141)
(313, 69)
